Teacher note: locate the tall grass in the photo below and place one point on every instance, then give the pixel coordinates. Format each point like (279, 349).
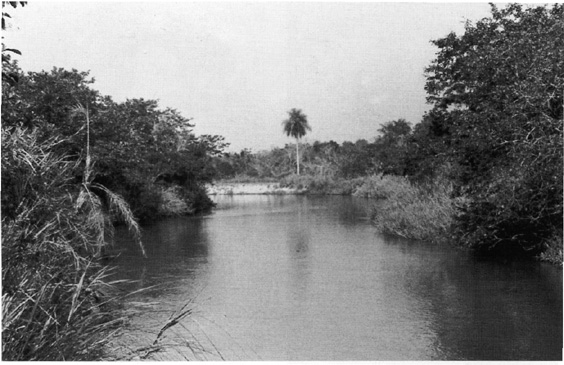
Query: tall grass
(421, 212)
(384, 186)
(57, 304)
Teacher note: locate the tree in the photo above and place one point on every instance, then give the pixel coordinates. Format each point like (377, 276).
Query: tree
(9, 73)
(391, 146)
(296, 126)
(497, 93)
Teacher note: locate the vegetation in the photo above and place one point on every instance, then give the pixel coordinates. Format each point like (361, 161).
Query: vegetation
(54, 306)
(74, 163)
(483, 168)
(421, 212)
(486, 160)
(139, 149)
(496, 123)
(296, 126)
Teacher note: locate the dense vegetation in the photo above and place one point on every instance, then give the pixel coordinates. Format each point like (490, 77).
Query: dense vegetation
(496, 123)
(483, 169)
(139, 151)
(74, 163)
(492, 140)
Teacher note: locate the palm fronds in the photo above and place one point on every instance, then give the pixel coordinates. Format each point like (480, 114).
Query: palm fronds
(98, 202)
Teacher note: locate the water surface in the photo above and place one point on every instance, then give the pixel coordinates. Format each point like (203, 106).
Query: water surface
(309, 278)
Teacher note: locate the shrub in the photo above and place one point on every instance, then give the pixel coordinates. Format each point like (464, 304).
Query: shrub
(553, 249)
(516, 212)
(383, 187)
(172, 202)
(196, 198)
(412, 211)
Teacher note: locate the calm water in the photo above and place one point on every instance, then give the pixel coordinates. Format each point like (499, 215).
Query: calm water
(308, 278)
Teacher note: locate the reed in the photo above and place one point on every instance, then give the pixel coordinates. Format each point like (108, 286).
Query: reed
(414, 211)
(57, 302)
(383, 186)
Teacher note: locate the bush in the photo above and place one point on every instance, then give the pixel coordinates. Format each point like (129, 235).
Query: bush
(516, 212)
(383, 187)
(552, 252)
(412, 211)
(172, 202)
(196, 198)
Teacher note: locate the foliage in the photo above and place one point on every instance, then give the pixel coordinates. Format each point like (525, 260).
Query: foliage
(414, 211)
(296, 126)
(52, 293)
(138, 147)
(383, 186)
(552, 253)
(391, 147)
(10, 76)
(67, 154)
(171, 202)
(497, 116)
(320, 159)
(322, 184)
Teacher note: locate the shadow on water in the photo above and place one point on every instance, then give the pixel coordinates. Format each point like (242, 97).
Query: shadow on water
(176, 248)
(483, 309)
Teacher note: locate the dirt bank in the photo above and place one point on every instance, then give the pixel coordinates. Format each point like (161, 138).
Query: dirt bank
(250, 189)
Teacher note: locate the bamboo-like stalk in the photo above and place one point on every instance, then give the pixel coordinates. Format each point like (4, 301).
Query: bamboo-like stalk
(97, 218)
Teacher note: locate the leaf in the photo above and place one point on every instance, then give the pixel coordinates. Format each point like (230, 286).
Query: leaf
(12, 50)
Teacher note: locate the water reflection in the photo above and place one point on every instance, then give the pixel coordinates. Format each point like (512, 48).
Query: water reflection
(177, 247)
(484, 310)
(308, 278)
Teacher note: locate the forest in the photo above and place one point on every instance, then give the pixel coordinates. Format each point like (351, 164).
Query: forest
(482, 169)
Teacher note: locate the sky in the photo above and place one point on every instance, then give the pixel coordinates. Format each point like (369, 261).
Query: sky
(237, 68)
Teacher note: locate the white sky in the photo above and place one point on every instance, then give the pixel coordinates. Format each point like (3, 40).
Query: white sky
(237, 68)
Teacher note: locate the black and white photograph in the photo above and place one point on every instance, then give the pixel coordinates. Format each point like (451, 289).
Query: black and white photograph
(282, 181)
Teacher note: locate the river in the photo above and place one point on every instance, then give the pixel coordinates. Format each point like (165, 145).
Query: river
(309, 278)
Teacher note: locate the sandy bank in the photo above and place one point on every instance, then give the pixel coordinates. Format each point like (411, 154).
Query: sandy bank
(249, 189)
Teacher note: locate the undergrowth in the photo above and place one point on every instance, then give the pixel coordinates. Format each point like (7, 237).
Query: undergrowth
(57, 301)
(421, 212)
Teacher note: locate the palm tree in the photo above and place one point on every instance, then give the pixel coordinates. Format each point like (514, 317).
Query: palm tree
(297, 127)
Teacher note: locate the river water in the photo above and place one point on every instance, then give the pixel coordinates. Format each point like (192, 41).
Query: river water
(309, 278)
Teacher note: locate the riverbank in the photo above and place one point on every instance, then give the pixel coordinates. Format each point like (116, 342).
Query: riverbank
(293, 184)
(257, 188)
(420, 212)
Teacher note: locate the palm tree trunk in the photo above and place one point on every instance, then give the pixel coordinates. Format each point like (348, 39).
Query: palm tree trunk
(298, 154)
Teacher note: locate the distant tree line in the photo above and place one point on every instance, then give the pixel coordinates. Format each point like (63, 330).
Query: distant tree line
(386, 153)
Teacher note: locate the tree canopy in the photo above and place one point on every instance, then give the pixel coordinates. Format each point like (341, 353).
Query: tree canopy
(137, 147)
(497, 97)
(296, 125)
